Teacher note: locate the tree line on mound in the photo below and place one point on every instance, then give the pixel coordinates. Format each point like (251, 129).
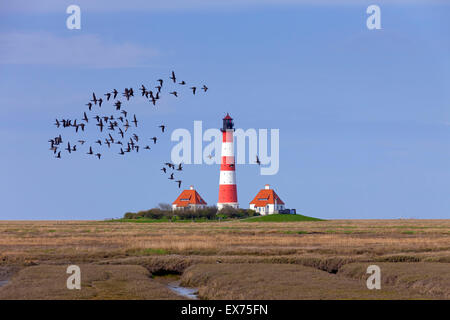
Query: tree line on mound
(164, 211)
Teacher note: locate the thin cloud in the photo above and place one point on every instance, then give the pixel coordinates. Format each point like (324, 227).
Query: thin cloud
(40, 48)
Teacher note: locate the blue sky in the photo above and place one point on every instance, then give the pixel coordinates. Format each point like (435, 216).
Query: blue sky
(363, 115)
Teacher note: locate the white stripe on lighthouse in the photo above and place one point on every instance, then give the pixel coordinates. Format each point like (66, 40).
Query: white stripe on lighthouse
(227, 177)
(227, 149)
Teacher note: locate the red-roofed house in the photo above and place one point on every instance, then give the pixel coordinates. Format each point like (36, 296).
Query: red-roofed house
(189, 200)
(267, 202)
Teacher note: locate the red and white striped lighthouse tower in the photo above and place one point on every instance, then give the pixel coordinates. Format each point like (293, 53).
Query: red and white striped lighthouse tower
(227, 184)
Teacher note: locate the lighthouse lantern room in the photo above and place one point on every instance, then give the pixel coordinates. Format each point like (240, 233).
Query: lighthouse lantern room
(227, 123)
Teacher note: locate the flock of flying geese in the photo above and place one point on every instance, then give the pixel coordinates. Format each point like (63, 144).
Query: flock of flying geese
(116, 127)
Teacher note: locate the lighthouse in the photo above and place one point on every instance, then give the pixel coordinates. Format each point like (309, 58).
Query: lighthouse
(227, 183)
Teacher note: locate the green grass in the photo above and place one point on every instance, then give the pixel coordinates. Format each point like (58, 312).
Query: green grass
(141, 220)
(146, 220)
(281, 218)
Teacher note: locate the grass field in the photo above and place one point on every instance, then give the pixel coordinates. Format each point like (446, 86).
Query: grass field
(281, 218)
(247, 259)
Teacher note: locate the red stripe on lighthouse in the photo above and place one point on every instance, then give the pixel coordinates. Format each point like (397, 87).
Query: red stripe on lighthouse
(227, 164)
(227, 193)
(227, 136)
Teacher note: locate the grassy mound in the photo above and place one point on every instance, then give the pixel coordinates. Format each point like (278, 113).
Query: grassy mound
(147, 220)
(281, 218)
(140, 220)
(268, 218)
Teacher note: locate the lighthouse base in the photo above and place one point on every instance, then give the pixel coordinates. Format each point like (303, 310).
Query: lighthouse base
(233, 205)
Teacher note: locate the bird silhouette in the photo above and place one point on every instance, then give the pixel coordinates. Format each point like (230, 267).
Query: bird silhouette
(100, 124)
(94, 98)
(174, 79)
(69, 149)
(126, 125)
(170, 165)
